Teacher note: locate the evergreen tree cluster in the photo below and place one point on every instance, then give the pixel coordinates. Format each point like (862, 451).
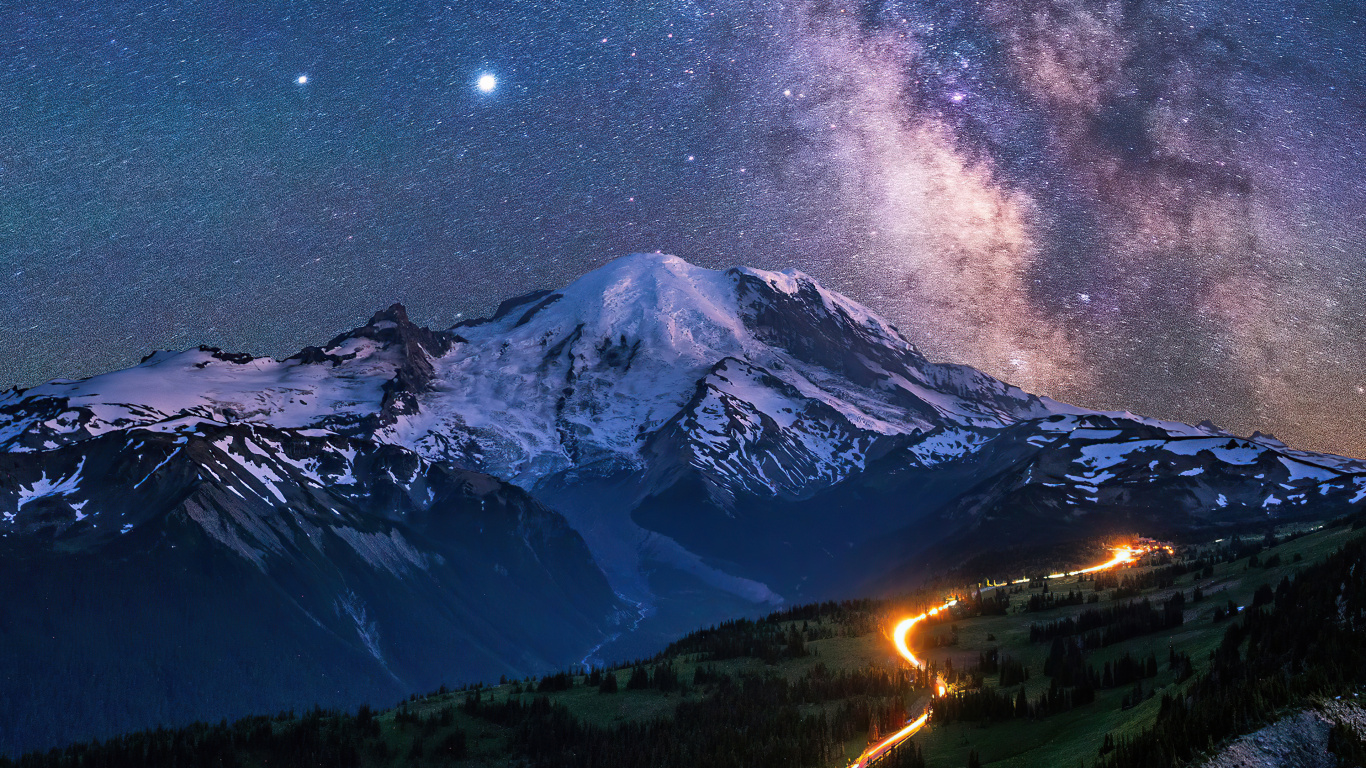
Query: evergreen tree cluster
(560, 681)
(1101, 627)
(744, 720)
(1046, 600)
(1133, 584)
(1010, 671)
(987, 705)
(1074, 683)
(317, 738)
(994, 603)
(778, 635)
(1309, 641)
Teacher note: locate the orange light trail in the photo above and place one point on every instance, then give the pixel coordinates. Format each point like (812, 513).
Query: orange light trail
(899, 639)
(1122, 555)
(903, 629)
(891, 741)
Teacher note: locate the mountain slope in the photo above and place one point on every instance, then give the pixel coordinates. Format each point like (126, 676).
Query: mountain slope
(572, 379)
(201, 570)
(721, 440)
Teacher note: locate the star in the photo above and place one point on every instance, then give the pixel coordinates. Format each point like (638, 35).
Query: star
(1004, 123)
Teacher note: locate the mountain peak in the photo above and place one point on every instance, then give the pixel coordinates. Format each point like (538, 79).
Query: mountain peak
(396, 313)
(391, 327)
(651, 380)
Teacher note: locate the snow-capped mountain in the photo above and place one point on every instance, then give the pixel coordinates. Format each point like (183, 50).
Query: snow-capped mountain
(574, 379)
(731, 438)
(225, 569)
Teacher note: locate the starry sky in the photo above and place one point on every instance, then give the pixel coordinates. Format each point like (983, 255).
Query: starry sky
(1131, 204)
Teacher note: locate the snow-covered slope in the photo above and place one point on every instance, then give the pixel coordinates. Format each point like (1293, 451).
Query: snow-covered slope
(223, 569)
(583, 376)
(670, 412)
(570, 379)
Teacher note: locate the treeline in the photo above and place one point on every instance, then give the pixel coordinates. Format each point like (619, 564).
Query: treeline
(993, 705)
(1009, 670)
(1049, 599)
(743, 720)
(777, 636)
(993, 603)
(1133, 584)
(318, 738)
(729, 720)
(1074, 682)
(1101, 627)
(1308, 641)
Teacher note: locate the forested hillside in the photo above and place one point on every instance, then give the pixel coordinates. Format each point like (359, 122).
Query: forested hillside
(1153, 665)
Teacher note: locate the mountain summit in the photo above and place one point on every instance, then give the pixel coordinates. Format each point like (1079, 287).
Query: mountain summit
(577, 378)
(721, 441)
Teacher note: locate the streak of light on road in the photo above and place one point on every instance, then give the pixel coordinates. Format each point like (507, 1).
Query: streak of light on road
(1122, 555)
(899, 639)
(892, 741)
(904, 628)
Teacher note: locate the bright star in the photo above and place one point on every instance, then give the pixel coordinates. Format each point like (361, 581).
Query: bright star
(303, 79)
(486, 83)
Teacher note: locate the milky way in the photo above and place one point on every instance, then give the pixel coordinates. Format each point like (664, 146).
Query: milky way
(1132, 205)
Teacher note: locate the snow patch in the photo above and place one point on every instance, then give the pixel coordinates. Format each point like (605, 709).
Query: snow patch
(45, 487)
(1240, 453)
(1301, 471)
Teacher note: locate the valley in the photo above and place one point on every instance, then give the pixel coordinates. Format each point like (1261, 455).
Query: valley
(816, 685)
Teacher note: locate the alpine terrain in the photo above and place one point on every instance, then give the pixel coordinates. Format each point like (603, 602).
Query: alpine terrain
(583, 474)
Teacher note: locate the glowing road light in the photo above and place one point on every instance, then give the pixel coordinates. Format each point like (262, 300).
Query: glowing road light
(891, 741)
(303, 80)
(1122, 555)
(899, 639)
(486, 83)
(903, 628)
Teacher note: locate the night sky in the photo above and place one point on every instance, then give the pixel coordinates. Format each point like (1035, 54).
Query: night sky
(1154, 206)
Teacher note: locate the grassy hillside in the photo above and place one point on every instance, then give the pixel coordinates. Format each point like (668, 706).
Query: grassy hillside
(805, 686)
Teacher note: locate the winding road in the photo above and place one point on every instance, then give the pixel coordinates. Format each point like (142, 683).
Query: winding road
(901, 633)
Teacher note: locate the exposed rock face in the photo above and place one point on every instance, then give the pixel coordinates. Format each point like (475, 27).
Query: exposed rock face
(723, 441)
(198, 570)
(1296, 741)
